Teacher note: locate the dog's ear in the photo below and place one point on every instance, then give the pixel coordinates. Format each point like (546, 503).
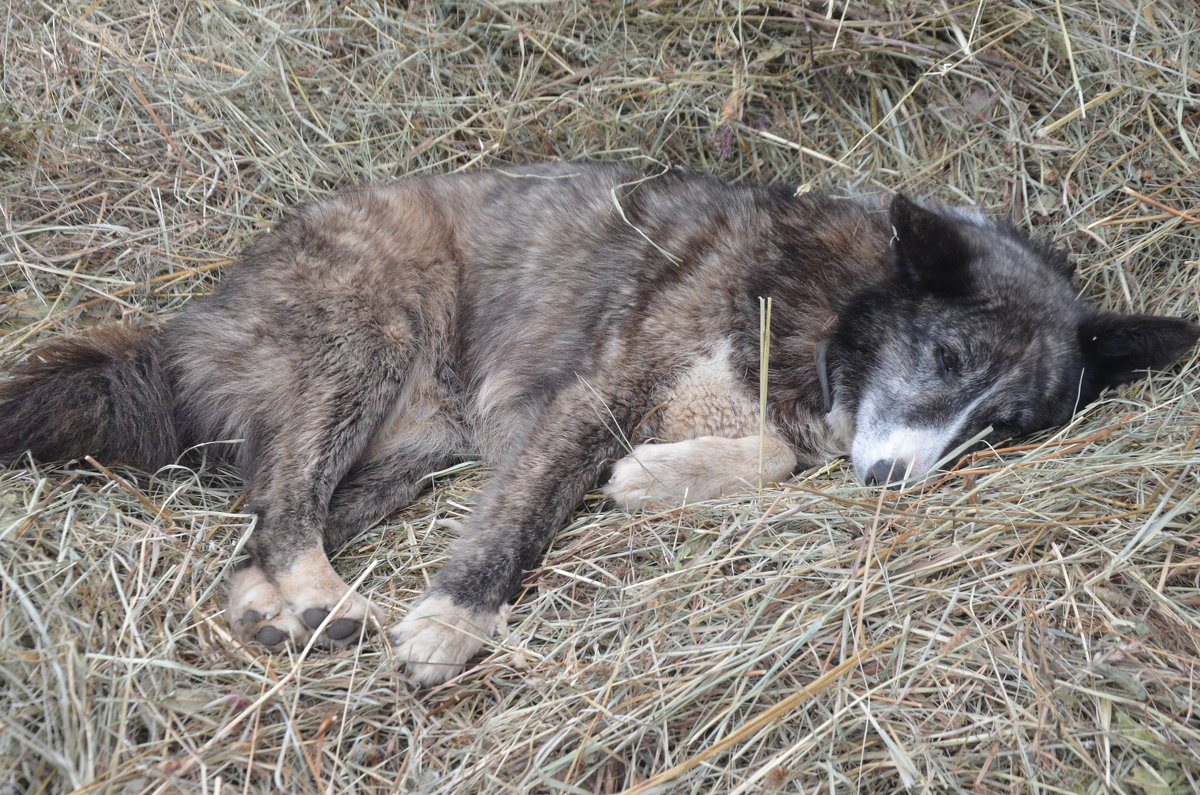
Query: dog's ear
(929, 250)
(1056, 259)
(1119, 348)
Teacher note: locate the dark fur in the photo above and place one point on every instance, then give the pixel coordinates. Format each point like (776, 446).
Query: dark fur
(106, 394)
(379, 335)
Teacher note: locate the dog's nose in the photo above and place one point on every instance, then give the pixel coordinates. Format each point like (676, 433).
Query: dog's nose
(886, 471)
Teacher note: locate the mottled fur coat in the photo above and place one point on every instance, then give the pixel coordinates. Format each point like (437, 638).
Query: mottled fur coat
(567, 322)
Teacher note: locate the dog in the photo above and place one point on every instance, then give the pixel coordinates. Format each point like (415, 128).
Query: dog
(554, 319)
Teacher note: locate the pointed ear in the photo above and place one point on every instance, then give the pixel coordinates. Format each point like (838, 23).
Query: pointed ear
(1056, 259)
(930, 251)
(1119, 348)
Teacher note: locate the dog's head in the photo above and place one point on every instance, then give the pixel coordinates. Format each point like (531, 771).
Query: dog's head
(978, 327)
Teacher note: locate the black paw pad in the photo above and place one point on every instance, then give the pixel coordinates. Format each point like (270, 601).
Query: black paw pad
(270, 636)
(342, 628)
(313, 616)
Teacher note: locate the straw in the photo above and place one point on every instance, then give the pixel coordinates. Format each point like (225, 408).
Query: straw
(1032, 624)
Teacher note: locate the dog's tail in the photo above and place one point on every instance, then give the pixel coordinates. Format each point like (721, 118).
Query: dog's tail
(106, 394)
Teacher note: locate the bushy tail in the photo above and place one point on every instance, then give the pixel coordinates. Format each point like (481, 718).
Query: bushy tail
(105, 394)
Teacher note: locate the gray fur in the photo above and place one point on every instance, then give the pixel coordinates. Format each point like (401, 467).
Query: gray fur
(545, 317)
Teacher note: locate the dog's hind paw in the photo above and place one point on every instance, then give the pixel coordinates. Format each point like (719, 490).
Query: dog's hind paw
(257, 612)
(437, 638)
(290, 607)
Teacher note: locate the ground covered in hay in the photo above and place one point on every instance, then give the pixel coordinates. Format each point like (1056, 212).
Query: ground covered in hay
(1032, 624)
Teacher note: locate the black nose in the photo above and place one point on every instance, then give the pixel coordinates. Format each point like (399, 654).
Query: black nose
(886, 471)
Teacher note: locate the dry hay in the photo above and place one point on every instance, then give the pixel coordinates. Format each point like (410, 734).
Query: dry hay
(1033, 624)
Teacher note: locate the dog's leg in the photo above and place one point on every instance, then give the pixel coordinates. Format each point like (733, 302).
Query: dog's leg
(698, 469)
(521, 509)
(289, 588)
(375, 488)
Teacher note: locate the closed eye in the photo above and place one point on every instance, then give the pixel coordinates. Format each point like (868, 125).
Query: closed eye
(1008, 427)
(947, 361)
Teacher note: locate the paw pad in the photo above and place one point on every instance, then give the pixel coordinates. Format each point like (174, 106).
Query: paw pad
(340, 629)
(270, 636)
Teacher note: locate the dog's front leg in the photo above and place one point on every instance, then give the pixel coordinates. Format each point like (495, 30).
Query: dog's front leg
(698, 469)
(519, 512)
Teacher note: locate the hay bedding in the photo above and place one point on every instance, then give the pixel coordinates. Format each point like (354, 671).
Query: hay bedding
(1034, 624)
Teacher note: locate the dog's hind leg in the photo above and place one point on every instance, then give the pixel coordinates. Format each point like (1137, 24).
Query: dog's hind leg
(378, 486)
(523, 506)
(420, 436)
(290, 589)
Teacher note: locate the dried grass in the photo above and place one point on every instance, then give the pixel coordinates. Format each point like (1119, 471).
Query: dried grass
(1033, 624)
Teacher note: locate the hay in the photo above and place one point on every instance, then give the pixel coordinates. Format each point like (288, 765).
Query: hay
(1033, 624)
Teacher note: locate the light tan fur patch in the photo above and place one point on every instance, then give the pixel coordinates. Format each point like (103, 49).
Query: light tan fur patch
(708, 400)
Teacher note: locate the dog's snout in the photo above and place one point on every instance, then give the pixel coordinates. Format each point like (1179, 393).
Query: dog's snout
(886, 471)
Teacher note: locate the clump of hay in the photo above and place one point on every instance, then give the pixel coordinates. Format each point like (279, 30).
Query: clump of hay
(1033, 623)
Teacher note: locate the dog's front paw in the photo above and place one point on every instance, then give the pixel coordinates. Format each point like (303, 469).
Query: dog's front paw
(656, 473)
(437, 638)
(698, 469)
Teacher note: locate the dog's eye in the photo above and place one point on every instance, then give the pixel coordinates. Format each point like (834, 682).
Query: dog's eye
(947, 361)
(1007, 426)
